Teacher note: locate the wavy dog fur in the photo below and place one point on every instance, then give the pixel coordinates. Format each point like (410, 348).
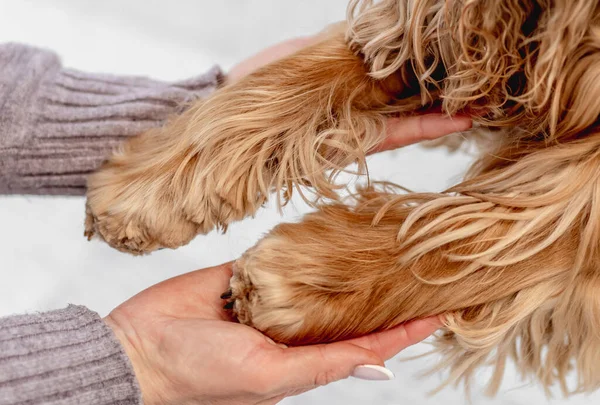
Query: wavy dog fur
(511, 254)
(297, 122)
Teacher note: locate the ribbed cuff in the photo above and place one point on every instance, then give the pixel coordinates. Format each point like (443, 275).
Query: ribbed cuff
(64, 357)
(72, 121)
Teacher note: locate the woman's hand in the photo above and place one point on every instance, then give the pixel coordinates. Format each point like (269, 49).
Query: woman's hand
(185, 350)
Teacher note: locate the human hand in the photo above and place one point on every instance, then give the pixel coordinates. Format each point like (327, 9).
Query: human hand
(400, 131)
(186, 351)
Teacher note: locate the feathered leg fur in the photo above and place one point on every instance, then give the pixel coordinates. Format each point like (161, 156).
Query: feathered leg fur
(296, 122)
(516, 273)
(511, 254)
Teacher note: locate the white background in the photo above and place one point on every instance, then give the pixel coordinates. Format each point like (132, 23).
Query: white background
(46, 263)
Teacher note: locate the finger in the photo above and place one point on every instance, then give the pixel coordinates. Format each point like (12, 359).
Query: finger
(215, 282)
(300, 368)
(408, 130)
(218, 276)
(389, 343)
(191, 295)
(206, 281)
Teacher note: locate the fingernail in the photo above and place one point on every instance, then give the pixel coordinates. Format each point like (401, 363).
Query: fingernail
(373, 373)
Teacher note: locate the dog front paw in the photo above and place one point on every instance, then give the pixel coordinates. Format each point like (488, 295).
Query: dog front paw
(130, 202)
(260, 297)
(318, 281)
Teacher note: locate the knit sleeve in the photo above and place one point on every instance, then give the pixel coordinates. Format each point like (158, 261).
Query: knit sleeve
(64, 357)
(58, 125)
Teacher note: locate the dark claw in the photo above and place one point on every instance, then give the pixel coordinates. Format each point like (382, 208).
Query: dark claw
(229, 305)
(226, 295)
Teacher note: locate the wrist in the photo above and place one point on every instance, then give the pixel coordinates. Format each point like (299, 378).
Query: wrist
(149, 384)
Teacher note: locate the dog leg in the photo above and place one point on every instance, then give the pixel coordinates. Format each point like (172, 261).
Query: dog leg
(293, 123)
(348, 271)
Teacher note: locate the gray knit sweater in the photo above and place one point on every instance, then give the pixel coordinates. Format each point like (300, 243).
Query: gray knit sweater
(63, 357)
(56, 126)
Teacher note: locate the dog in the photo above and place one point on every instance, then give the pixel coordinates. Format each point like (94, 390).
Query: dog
(510, 255)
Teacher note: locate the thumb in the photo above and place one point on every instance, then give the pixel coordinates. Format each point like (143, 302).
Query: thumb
(314, 366)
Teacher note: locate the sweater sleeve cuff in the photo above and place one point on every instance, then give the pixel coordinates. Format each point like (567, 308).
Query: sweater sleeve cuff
(68, 356)
(74, 121)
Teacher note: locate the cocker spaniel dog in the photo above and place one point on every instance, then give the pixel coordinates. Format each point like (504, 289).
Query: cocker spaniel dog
(510, 255)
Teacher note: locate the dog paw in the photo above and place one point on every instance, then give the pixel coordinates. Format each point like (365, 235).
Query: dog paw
(260, 297)
(318, 281)
(120, 233)
(133, 210)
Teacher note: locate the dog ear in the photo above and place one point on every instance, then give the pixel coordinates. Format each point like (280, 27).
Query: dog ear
(530, 63)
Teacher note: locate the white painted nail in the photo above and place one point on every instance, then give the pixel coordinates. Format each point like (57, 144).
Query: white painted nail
(373, 373)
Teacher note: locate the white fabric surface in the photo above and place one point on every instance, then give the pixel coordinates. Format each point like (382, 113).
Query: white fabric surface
(45, 262)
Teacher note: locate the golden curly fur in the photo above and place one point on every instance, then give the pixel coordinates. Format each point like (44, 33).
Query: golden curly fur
(511, 255)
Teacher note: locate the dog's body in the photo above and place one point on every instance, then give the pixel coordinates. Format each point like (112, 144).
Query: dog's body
(511, 254)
